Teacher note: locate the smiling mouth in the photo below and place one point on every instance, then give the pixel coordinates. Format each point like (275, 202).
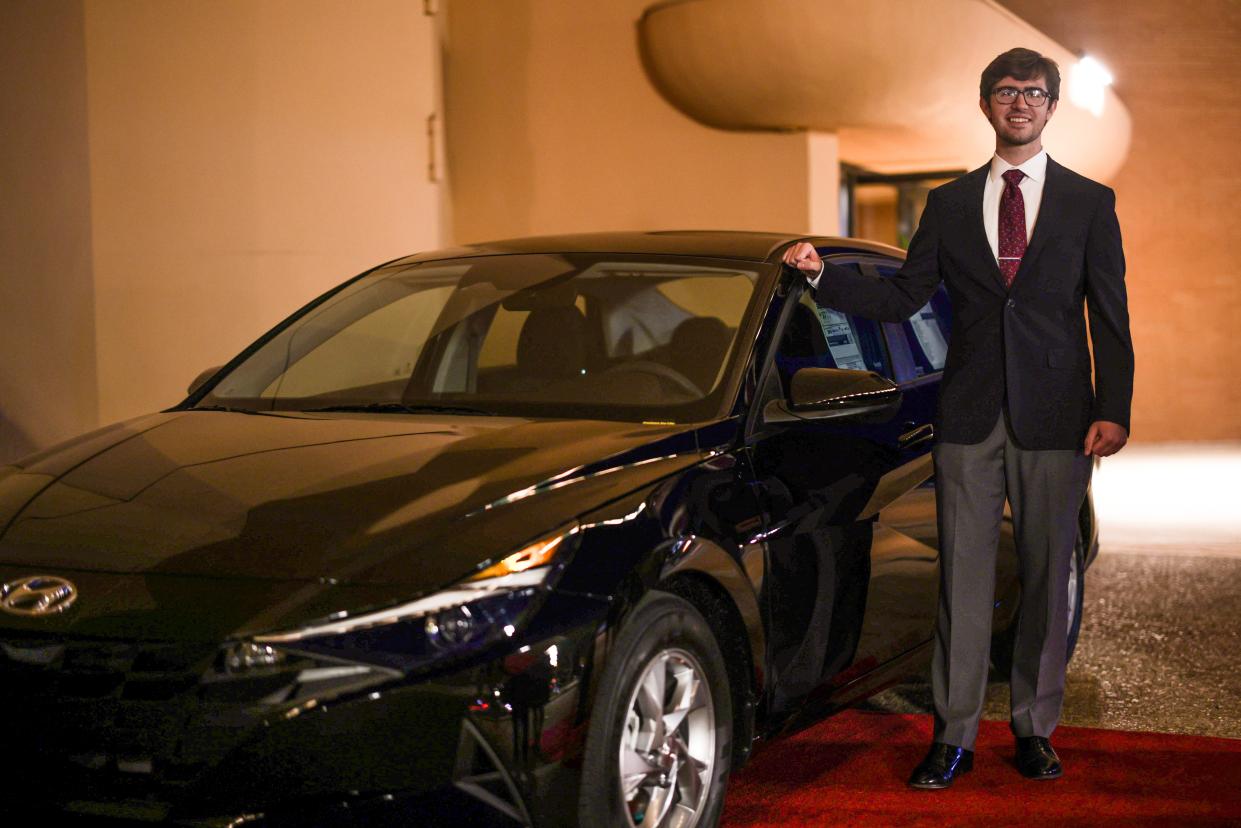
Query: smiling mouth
(1018, 121)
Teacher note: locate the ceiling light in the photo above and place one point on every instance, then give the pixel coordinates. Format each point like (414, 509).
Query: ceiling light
(1088, 83)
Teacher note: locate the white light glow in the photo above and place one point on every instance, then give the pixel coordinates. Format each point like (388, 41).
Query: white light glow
(1179, 499)
(1088, 83)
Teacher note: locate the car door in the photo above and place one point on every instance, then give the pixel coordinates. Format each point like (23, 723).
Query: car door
(844, 593)
(919, 348)
(905, 552)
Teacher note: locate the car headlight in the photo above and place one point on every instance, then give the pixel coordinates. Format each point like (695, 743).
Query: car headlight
(349, 652)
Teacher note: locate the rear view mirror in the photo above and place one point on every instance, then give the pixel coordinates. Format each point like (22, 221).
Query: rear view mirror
(557, 295)
(829, 393)
(202, 378)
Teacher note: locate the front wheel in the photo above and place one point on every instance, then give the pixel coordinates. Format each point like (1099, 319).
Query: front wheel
(660, 737)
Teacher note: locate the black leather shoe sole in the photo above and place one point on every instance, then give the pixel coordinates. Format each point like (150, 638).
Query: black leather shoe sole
(1036, 775)
(937, 785)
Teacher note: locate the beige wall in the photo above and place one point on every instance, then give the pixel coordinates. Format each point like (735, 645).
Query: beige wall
(1176, 68)
(47, 306)
(553, 127)
(245, 156)
(181, 176)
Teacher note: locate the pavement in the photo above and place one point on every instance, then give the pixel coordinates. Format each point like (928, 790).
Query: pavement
(1160, 644)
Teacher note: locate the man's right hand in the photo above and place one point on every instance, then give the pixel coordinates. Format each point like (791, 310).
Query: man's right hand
(805, 258)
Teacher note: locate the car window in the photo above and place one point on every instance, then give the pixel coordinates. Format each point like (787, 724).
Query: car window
(612, 337)
(686, 324)
(927, 338)
(924, 335)
(819, 337)
(381, 346)
(640, 321)
(500, 343)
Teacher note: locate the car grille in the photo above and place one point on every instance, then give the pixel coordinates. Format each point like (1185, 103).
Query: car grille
(100, 670)
(111, 719)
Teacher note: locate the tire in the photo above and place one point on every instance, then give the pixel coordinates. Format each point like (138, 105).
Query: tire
(665, 640)
(1077, 594)
(1002, 642)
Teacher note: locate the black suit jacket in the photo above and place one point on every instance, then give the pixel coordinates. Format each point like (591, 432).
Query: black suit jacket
(1025, 347)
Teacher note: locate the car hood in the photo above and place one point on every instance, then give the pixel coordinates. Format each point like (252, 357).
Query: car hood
(389, 500)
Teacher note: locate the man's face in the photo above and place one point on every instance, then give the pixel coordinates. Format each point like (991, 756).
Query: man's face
(1017, 124)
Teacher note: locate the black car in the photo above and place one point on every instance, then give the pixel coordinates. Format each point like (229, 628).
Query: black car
(548, 531)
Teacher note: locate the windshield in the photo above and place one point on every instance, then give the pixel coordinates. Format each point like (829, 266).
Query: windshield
(608, 337)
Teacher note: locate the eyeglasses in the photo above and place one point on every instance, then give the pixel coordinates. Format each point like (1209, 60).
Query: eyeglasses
(1033, 95)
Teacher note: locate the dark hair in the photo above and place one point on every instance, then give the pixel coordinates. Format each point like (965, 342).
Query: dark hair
(1021, 64)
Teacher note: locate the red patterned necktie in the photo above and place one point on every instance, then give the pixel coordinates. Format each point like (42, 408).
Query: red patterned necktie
(1012, 226)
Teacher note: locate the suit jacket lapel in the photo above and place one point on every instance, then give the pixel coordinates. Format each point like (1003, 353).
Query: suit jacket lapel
(975, 230)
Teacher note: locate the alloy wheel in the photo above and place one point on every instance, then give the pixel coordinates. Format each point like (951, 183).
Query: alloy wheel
(667, 748)
(1074, 574)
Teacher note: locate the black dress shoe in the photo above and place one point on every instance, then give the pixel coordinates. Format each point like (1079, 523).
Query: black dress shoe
(943, 763)
(1036, 759)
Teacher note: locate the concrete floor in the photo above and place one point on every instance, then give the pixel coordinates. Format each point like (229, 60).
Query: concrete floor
(1160, 646)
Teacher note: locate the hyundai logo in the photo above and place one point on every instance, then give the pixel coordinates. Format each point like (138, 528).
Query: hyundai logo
(37, 595)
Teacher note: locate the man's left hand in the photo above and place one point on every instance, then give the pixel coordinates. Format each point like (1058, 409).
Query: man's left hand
(1105, 438)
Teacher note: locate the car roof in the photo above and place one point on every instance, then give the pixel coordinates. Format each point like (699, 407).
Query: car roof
(724, 244)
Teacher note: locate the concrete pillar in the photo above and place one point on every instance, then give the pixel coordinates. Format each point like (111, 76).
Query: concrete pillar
(823, 183)
(47, 301)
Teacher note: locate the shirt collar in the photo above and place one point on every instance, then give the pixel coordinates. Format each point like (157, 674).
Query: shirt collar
(1035, 168)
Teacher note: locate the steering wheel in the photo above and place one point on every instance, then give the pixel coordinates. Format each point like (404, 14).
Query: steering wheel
(647, 366)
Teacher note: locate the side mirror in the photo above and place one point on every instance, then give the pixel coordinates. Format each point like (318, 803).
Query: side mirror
(202, 378)
(830, 393)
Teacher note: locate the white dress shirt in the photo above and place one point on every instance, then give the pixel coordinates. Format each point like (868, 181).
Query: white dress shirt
(1031, 193)
(1035, 170)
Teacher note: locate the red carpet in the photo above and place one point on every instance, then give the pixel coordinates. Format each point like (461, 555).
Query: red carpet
(851, 770)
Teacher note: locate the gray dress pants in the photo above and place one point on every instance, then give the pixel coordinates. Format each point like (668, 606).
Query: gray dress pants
(1045, 490)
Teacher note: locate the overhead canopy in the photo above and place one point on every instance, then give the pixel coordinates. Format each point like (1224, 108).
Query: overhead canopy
(896, 80)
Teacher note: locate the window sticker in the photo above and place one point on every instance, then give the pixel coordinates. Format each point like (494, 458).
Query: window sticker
(841, 340)
(926, 329)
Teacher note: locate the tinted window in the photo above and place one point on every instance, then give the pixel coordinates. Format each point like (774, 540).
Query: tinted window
(925, 334)
(819, 337)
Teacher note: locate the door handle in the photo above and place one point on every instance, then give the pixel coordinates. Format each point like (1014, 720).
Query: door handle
(918, 435)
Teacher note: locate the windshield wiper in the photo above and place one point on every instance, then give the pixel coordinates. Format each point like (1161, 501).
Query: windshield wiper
(406, 408)
(231, 410)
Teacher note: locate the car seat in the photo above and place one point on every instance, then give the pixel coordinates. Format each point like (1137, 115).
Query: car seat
(551, 346)
(697, 349)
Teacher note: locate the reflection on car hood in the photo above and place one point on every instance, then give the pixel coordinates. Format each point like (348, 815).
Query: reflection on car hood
(358, 499)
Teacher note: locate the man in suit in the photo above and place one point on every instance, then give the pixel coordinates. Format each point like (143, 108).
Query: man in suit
(1020, 243)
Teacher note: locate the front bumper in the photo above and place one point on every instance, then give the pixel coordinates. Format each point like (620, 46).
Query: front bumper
(113, 730)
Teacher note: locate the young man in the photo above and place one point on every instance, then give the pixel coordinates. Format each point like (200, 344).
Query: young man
(1020, 243)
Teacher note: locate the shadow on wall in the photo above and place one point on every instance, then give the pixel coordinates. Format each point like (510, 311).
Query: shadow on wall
(14, 442)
